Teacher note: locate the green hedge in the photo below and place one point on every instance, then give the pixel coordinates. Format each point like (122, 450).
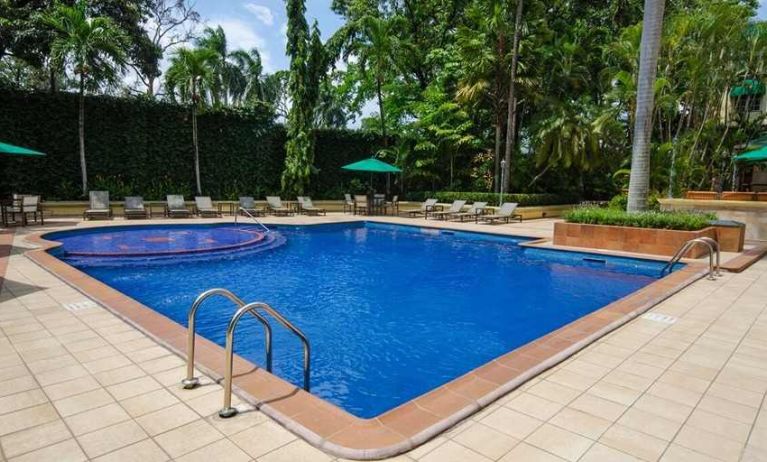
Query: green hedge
(686, 221)
(139, 146)
(524, 200)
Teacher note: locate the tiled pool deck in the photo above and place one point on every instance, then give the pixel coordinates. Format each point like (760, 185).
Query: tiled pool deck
(81, 383)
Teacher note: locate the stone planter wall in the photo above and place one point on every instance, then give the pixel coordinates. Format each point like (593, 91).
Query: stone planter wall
(627, 239)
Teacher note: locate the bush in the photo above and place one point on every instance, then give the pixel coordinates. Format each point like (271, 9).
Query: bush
(685, 221)
(621, 201)
(524, 200)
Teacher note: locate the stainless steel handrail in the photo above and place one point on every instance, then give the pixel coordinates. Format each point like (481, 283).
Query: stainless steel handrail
(191, 381)
(228, 410)
(245, 211)
(715, 245)
(706, 241)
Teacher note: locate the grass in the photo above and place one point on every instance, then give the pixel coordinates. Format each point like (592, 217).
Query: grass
(683, 221)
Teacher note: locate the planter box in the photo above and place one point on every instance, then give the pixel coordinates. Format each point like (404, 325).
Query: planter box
(627, 239)
(731, 235)
(738, 196)
(701, 195)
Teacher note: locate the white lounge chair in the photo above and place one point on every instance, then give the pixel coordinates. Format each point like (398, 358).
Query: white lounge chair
(505, 213)
(99, 206)
(455, 208)
(175, 207)
(205, 208)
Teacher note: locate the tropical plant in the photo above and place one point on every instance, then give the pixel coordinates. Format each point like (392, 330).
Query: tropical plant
(93, 48)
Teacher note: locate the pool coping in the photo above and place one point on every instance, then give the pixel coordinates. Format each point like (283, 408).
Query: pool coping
(405, 427)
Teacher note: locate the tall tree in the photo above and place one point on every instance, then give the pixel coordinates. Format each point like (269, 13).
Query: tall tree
(639, 182)
(93, 47)
(191, 72)
(511, 122)
(307, 63)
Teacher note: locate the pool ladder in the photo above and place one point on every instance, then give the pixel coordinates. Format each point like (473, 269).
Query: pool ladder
(252, 217)
(709, 244)
(243, 308)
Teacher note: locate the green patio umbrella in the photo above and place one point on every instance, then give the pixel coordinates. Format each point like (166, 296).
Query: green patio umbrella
(11, 150)
(757, 155)
(373, 165)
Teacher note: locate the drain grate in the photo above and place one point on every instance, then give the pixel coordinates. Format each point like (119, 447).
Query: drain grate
(79, 306)
(659, 317)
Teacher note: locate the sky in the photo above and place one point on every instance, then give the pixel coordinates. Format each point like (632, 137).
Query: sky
(262, 24)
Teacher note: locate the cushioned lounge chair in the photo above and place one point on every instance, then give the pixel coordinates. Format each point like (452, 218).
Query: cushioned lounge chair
(455, 208)
(99, 206)
(205, 208)
(308, 207)
(275, 206)
(134, 208)
(428, 206)
(475, 211)
(175, 207)
(505, 213)
(361, 204)
(248, 207)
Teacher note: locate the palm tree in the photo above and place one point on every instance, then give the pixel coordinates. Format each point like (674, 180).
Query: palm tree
(191, 72)
(511, 123)
(639, 181)
(249, 68)
(94, 47)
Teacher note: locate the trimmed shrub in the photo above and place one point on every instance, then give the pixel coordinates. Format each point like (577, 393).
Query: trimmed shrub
(524, 200)
(683, 221)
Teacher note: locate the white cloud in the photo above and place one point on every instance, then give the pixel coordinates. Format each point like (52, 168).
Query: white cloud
(263, 13)
(240, 35)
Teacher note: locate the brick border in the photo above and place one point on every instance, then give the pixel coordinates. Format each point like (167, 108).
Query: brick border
(401, 429)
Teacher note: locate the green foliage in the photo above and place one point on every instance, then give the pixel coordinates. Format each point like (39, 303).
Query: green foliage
(137, 146)
(620, 202)
(524, 200)
(685, 221)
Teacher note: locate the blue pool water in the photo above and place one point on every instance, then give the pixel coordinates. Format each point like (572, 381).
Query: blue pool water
(391, 311)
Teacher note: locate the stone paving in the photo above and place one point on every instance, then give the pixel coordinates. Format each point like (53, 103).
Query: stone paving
(78, 383)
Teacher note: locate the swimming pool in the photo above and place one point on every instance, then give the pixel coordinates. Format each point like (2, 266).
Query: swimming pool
(391, 311)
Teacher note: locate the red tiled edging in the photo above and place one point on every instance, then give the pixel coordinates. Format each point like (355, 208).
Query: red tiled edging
(396, 431)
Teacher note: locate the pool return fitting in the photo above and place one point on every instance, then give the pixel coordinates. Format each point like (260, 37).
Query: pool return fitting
(250, 308)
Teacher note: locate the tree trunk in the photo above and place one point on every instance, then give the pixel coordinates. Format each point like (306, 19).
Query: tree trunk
(511, 127)
(81, 132)
(150, 86)
(194, 139)
(639, 181)
(381, 111)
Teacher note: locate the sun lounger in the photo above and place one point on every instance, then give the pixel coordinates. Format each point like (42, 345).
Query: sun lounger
(99, 206)
(428, 206)
(275, 206)
(475, 211)
(248, 207)
(175, 207)
(361, 204)
(348, 203)
(454, 209)
(505, 214)
(134, 208)
(307, 206)
(204, 206)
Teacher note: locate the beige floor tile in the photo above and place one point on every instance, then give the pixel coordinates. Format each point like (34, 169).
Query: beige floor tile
(146, 354)
(26, 418)
(107, 364)
(453, 452)
(737, 395)
(601, 453)
(581, 423)
(485, 440)
(22, 400)
(162, 363)
(708, 443)
(598, 407)
(34, 438)
(664, 408)
(263, 438)
(185, 439)
(66, 451)
(427, 447)
(617, 393)
(719, 425)
(729, 409)
(634, 443)
(571, 379)
(554, 392)
(111, 438)
(83, 402)
(227, 451)
(511, 422)
(71, 387)
(649, 423)
(7, 373)
(143, 451)
(119, 375)
(50, 364)
(61, 375)
(560, 442)
(528, 453)
(167, 419)
(133, 387)
(95, 419)
(674, 393)
(17, 385)
(534, 406)
(676, 453)
(243, 421)
(149, 402)
(297, 451)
